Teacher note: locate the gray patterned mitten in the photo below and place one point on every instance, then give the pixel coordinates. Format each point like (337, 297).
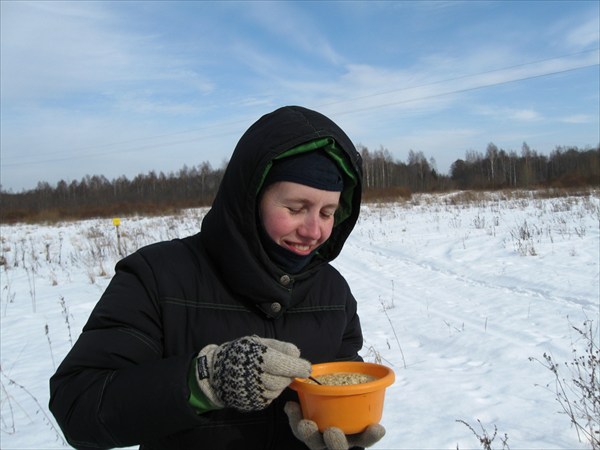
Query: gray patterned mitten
(248, 373)
(332, 438)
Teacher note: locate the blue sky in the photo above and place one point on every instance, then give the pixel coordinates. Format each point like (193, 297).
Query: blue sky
(123, 88)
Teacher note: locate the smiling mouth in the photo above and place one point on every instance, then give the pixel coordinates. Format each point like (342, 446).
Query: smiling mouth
(302, 249)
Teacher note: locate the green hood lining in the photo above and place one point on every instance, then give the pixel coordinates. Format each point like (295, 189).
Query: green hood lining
(336, 154)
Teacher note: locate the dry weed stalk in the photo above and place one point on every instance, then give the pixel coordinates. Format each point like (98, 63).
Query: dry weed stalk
(8, 424)
(385, 308)
(47, 333)
(65, 313)
(578, 392)
(485, 439)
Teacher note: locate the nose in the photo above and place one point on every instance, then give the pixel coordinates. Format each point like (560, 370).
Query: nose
(311, 227)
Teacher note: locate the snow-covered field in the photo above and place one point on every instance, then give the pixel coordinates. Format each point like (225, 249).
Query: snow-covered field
(456, 297)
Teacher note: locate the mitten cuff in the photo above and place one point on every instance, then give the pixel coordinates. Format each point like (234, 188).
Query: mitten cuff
(201, 365)
(197, 399)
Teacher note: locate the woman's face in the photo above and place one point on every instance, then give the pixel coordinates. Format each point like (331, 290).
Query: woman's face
(298, 217)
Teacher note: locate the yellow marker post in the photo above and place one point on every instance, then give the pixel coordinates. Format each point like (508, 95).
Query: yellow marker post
(117, 223)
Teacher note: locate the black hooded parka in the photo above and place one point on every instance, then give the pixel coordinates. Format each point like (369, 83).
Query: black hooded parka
(125, 381)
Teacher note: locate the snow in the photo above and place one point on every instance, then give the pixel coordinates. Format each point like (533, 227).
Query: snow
(455, 296)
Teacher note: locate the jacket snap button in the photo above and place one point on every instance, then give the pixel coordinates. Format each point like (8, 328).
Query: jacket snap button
(285, 280)
(275, 307)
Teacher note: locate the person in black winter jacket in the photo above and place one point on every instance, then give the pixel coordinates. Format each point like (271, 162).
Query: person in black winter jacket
(195, 341)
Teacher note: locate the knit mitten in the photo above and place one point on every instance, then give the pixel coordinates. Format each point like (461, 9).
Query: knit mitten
(248, 373)
(332, 438)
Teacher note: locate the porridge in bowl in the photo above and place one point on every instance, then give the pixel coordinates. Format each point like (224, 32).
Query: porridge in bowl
(344, 378)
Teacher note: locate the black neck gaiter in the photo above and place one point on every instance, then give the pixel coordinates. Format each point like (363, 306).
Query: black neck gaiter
(285, 259)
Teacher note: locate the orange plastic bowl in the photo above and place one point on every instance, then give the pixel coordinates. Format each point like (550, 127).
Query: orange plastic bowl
(352, 408)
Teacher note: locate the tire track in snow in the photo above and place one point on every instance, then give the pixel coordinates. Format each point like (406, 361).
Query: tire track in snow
(375, 252)
(435, 288)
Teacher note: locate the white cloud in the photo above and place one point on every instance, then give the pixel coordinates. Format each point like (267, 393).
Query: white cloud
(525, 115)
(578, 118)
(504, 113)
(57, 50)
(292, 25)
(50, 48)
(586, 34)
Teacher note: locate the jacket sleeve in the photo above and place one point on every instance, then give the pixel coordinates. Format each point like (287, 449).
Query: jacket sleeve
(352, 340)
(114, 388)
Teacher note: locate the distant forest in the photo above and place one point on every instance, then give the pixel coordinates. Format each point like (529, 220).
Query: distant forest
(384, 179)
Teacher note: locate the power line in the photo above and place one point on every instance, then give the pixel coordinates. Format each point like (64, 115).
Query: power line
(324, 105)
(459, 91)
(462, 77)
